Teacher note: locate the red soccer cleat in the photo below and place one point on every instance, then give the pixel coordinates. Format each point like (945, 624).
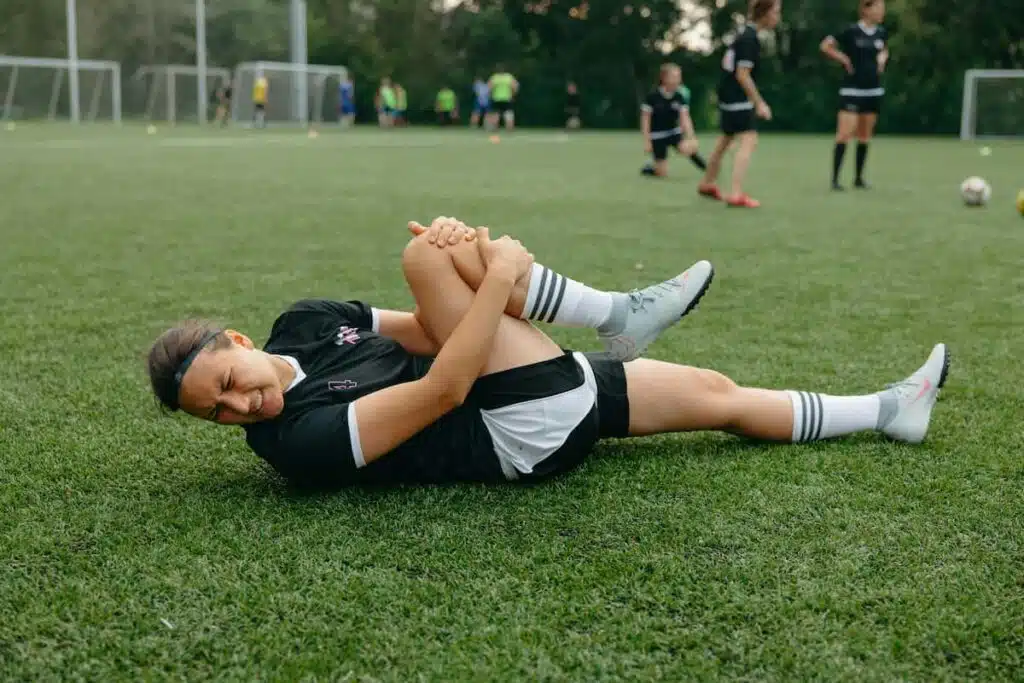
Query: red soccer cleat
(744, 201)
(709, 191)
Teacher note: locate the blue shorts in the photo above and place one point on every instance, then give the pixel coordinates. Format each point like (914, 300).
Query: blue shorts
(480, 108)
(387, 111)
(348, 108)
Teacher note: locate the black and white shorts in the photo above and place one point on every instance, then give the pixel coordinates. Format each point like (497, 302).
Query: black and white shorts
(544, 419)
(666, 140)
(734, 121)
(860, 104)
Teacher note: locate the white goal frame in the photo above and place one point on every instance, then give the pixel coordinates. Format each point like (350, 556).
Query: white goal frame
(164, 75)
(968, 112)
(61, 66)
(299, 99)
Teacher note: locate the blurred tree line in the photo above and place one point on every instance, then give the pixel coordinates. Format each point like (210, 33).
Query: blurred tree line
(611, 48)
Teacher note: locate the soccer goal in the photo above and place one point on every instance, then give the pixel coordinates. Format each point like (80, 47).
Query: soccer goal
(296, 93)
(993, 104)
(39, 88)
(170, 92)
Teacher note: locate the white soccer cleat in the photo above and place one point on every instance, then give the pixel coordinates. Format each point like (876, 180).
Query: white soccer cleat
(641, 315)
(911, 401)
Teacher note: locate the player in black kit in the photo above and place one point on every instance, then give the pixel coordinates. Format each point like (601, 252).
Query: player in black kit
(863, 51)
(665, 122)
(467, 389)
(739, 102)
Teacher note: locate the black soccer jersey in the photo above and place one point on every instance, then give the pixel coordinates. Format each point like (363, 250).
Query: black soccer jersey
(315, 439)
(862, 46)
(745, 51)
(664, 108)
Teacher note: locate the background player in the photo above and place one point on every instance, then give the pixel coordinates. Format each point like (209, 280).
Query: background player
(664, 119)
(401, 106)
(481, 102)
(260, 91)
(572, 106)
(738, 102)
(385, 103)
(503, 87)
(346, 102)
(862, 50)
(446, 106)
(224, 93)
(341, 392)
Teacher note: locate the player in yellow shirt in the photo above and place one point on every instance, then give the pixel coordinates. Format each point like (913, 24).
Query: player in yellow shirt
(259, 99)
(504, 87)
(446, 106)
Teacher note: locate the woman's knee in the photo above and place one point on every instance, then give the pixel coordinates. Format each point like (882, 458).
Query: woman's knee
(715, 383)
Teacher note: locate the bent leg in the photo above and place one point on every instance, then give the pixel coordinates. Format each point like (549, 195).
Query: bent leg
(443, 299)
(748, 142)
(715, 160)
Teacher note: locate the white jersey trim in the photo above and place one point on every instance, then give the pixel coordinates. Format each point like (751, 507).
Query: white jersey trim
(738, 106)
(745, 62)
(662, 134)
(353, 437)
(646, 107)
(299, 373)
(862, 92)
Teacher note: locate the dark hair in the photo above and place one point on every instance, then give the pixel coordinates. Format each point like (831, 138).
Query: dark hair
(171, 349)
(866, 5)
(759, 8)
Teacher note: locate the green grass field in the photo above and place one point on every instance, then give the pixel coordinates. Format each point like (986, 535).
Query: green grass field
(137, 546)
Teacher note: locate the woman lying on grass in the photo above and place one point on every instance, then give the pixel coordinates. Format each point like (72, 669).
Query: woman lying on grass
(467, 389)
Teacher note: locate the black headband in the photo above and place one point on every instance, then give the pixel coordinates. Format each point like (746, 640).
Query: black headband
(179, 374)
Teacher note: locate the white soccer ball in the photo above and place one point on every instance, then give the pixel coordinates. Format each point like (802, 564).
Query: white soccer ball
(975, 191)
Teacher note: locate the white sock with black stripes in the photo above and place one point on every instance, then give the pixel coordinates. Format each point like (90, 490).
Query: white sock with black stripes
(554, 298)
(820, 416)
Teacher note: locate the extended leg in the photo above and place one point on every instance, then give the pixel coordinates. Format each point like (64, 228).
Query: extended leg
(672, 398)
(741, 164)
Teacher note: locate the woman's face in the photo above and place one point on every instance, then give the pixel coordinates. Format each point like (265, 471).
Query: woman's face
(236, 385)
(671, 79)
(876, 13)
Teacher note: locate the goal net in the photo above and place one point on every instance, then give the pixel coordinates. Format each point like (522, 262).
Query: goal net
(296, 93)
(170, 92)
(993, 104)
(38, 88)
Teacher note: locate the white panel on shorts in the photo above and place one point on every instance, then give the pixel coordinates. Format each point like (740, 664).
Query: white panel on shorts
(353, 438)
(525, 434)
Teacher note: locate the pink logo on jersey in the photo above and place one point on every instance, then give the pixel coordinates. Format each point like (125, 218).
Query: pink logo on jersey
(347, 335)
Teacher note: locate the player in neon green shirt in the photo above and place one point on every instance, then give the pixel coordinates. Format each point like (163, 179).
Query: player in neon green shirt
(446, 106)
(386, 103)
(504, 88)
(401, 105)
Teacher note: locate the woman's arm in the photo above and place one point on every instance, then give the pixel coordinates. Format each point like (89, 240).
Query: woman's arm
(830, 48)
(387, 418)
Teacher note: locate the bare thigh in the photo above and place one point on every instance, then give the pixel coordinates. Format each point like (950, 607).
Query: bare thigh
(665, 397)
(866, 126)
(443, 299)
(846, 126)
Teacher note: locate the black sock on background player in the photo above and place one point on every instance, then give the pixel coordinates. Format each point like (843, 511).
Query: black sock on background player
(698, 161)
(862, 157)
(837, 164)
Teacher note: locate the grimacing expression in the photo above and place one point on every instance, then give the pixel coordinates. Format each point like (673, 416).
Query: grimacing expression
(233, 386)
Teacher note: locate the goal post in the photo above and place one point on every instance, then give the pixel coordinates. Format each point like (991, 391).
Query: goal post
(993, 104)
(296, 93)
(39, 88)
(170, 92)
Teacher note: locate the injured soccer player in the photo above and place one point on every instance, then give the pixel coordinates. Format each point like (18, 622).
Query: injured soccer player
(466, 388)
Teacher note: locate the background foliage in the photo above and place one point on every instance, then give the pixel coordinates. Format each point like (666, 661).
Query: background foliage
(611, 47)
